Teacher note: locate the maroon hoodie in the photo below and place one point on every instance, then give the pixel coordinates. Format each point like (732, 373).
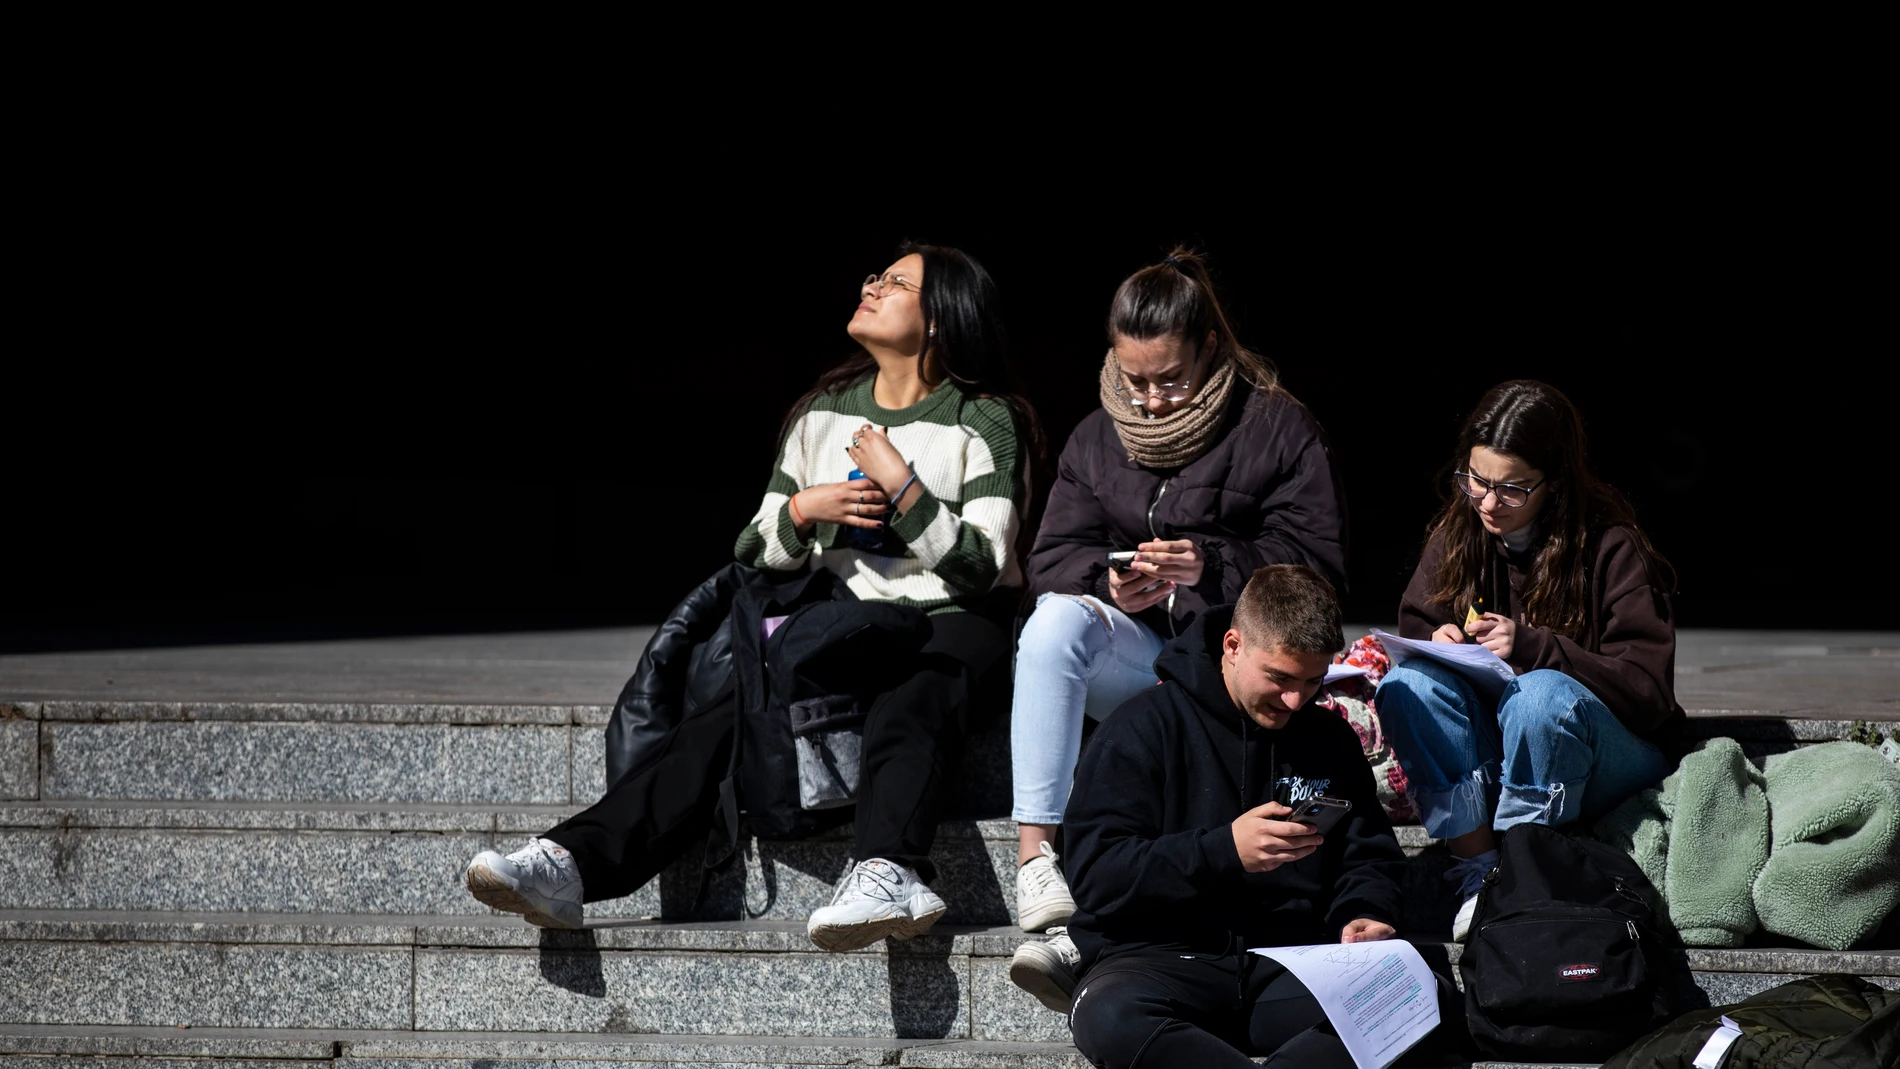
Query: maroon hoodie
(1627, 653)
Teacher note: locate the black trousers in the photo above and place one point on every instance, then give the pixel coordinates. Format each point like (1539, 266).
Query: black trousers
(1155, 1008)
(914, 737)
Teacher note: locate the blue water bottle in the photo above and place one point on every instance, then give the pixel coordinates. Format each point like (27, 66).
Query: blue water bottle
(868, 538)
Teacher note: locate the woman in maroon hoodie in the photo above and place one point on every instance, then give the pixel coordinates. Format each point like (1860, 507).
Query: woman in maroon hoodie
(1567, 590)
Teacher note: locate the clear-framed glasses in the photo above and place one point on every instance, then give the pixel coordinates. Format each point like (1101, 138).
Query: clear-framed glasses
(1510, 495)
(1171, 392)
(882, 285)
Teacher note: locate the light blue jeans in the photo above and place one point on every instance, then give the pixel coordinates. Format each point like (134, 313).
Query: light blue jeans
(1549, 753)
(1076, 657)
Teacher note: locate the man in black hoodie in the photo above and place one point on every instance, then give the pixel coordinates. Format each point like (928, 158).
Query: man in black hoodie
(1179, 858)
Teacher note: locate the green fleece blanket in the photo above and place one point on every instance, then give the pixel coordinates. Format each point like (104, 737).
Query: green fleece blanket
(1832, 874)
(1804, 848)
(1702, 839)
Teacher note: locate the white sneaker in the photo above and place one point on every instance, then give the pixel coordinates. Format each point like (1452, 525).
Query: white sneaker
(539, 881)
(878, 899)
(1042, 895)
(1461, 924)
(1047, 969)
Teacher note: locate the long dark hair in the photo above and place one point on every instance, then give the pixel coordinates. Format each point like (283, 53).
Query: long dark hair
(1538, 424)
(960, 299)
(1176, 298)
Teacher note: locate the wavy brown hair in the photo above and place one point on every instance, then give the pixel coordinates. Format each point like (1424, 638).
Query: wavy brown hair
(1538, 424)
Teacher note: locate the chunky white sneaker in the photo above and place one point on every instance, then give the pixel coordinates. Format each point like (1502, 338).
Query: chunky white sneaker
(1461, 924)
(1042, 895)
(878, 899)
(1047, 969)
(539, 881)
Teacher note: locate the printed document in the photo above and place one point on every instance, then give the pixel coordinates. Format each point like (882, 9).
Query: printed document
(1342, 670)
(1380, 996)
(1486, 670)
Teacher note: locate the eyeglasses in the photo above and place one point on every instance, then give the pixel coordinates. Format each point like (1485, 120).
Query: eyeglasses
(1510, 495)
(882, 285)
(1171, 392)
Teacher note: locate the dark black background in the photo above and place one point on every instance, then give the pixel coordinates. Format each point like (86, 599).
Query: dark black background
(408, 385)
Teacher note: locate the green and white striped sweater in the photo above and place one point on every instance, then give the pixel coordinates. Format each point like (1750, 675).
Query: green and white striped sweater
(957, 542)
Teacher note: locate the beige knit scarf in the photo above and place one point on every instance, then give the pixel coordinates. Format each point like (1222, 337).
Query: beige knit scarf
(1177, 438)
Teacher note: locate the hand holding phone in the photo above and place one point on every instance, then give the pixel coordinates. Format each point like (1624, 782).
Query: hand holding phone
(1320, 812)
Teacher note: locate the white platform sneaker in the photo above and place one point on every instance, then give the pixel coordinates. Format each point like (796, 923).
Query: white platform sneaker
(878, 899)
(1042, 895)
(539, 881)
(1047, 969)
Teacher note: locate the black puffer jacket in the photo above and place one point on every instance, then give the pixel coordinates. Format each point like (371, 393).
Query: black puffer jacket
(1266, 493)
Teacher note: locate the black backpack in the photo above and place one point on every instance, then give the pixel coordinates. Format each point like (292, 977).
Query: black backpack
(1564, 960)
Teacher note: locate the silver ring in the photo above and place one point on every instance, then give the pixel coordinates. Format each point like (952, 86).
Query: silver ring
(854, 443)
(857, 509)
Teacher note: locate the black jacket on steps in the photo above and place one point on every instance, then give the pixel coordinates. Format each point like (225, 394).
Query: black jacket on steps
(1150, 849)
(712, 645)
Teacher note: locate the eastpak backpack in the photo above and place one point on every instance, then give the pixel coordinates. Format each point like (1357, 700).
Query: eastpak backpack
(1564, 959)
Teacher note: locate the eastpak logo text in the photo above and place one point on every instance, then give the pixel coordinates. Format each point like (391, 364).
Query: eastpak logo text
(1571, 974)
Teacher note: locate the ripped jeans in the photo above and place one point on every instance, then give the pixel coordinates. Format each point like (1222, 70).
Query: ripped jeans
(1550, 753)
(1076, 657)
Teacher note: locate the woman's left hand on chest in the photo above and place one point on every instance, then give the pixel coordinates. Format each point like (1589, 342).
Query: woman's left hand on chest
(871, 450)
(1177, 560)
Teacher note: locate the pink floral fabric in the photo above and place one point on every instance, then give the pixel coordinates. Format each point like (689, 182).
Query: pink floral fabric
(1352, 700)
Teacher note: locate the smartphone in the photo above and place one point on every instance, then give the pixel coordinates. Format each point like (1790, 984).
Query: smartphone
(1122, 560)
(1320, 812)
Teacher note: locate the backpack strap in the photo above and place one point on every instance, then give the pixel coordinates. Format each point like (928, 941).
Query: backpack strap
(722, 841)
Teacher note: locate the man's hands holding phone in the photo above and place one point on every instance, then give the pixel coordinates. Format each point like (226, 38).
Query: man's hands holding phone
(1265, 841)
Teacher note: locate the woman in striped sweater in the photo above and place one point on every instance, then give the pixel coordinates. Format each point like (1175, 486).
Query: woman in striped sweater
(931, 521)
(903, 472)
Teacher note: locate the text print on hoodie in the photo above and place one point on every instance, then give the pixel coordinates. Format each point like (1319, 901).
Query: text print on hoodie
(1150, 850)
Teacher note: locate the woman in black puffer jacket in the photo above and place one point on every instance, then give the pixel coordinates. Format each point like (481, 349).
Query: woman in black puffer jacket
(1200, 463)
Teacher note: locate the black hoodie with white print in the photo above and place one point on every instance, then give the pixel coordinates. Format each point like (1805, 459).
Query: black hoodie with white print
(1149, 848)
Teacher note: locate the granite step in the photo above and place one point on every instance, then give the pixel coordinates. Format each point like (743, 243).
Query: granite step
(342, 752)
(489, 974)
(409, 860)
(34, 1046)
(328, 753)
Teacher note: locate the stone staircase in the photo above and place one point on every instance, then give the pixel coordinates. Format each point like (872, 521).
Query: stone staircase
(249, 883)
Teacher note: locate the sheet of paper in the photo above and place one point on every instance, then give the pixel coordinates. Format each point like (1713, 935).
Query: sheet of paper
(1342, 670)
(1486, 670)
(1380, 996)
